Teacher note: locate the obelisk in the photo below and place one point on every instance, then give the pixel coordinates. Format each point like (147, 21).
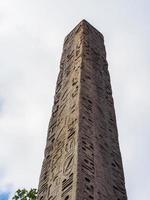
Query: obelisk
(82, 158)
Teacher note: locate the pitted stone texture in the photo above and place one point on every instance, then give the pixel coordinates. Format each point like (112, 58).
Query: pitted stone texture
(82, 157)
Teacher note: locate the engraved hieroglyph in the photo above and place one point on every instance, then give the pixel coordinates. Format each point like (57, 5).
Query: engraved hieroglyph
(82, 159)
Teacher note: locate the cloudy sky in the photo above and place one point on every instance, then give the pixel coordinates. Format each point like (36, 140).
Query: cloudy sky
(31, 39)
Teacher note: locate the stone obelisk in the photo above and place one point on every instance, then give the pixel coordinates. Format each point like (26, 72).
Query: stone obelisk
(82, 158)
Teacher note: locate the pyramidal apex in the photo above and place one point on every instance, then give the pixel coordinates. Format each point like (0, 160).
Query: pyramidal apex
(84, 25)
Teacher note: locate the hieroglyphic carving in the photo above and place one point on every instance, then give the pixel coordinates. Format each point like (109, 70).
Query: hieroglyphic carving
(82, 157)
(97, 131)
(63, 127)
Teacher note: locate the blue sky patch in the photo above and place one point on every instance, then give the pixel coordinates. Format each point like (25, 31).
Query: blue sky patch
(4, 195)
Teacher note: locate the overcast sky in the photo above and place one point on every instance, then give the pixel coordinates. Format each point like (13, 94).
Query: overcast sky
(31, 40)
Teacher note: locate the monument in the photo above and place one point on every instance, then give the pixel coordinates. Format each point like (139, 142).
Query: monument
(82, 158)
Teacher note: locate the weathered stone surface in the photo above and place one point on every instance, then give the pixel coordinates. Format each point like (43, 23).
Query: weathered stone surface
(82, 157)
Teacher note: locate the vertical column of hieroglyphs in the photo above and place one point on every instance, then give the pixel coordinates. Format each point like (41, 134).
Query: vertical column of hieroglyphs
(58, 175)
(100, 172)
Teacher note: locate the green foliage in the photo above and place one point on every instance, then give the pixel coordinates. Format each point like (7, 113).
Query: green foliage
(24, 194)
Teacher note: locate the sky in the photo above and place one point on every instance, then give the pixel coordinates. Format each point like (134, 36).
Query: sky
(31, 39)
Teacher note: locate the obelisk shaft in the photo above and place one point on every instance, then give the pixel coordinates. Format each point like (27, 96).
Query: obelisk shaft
(82, 156)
